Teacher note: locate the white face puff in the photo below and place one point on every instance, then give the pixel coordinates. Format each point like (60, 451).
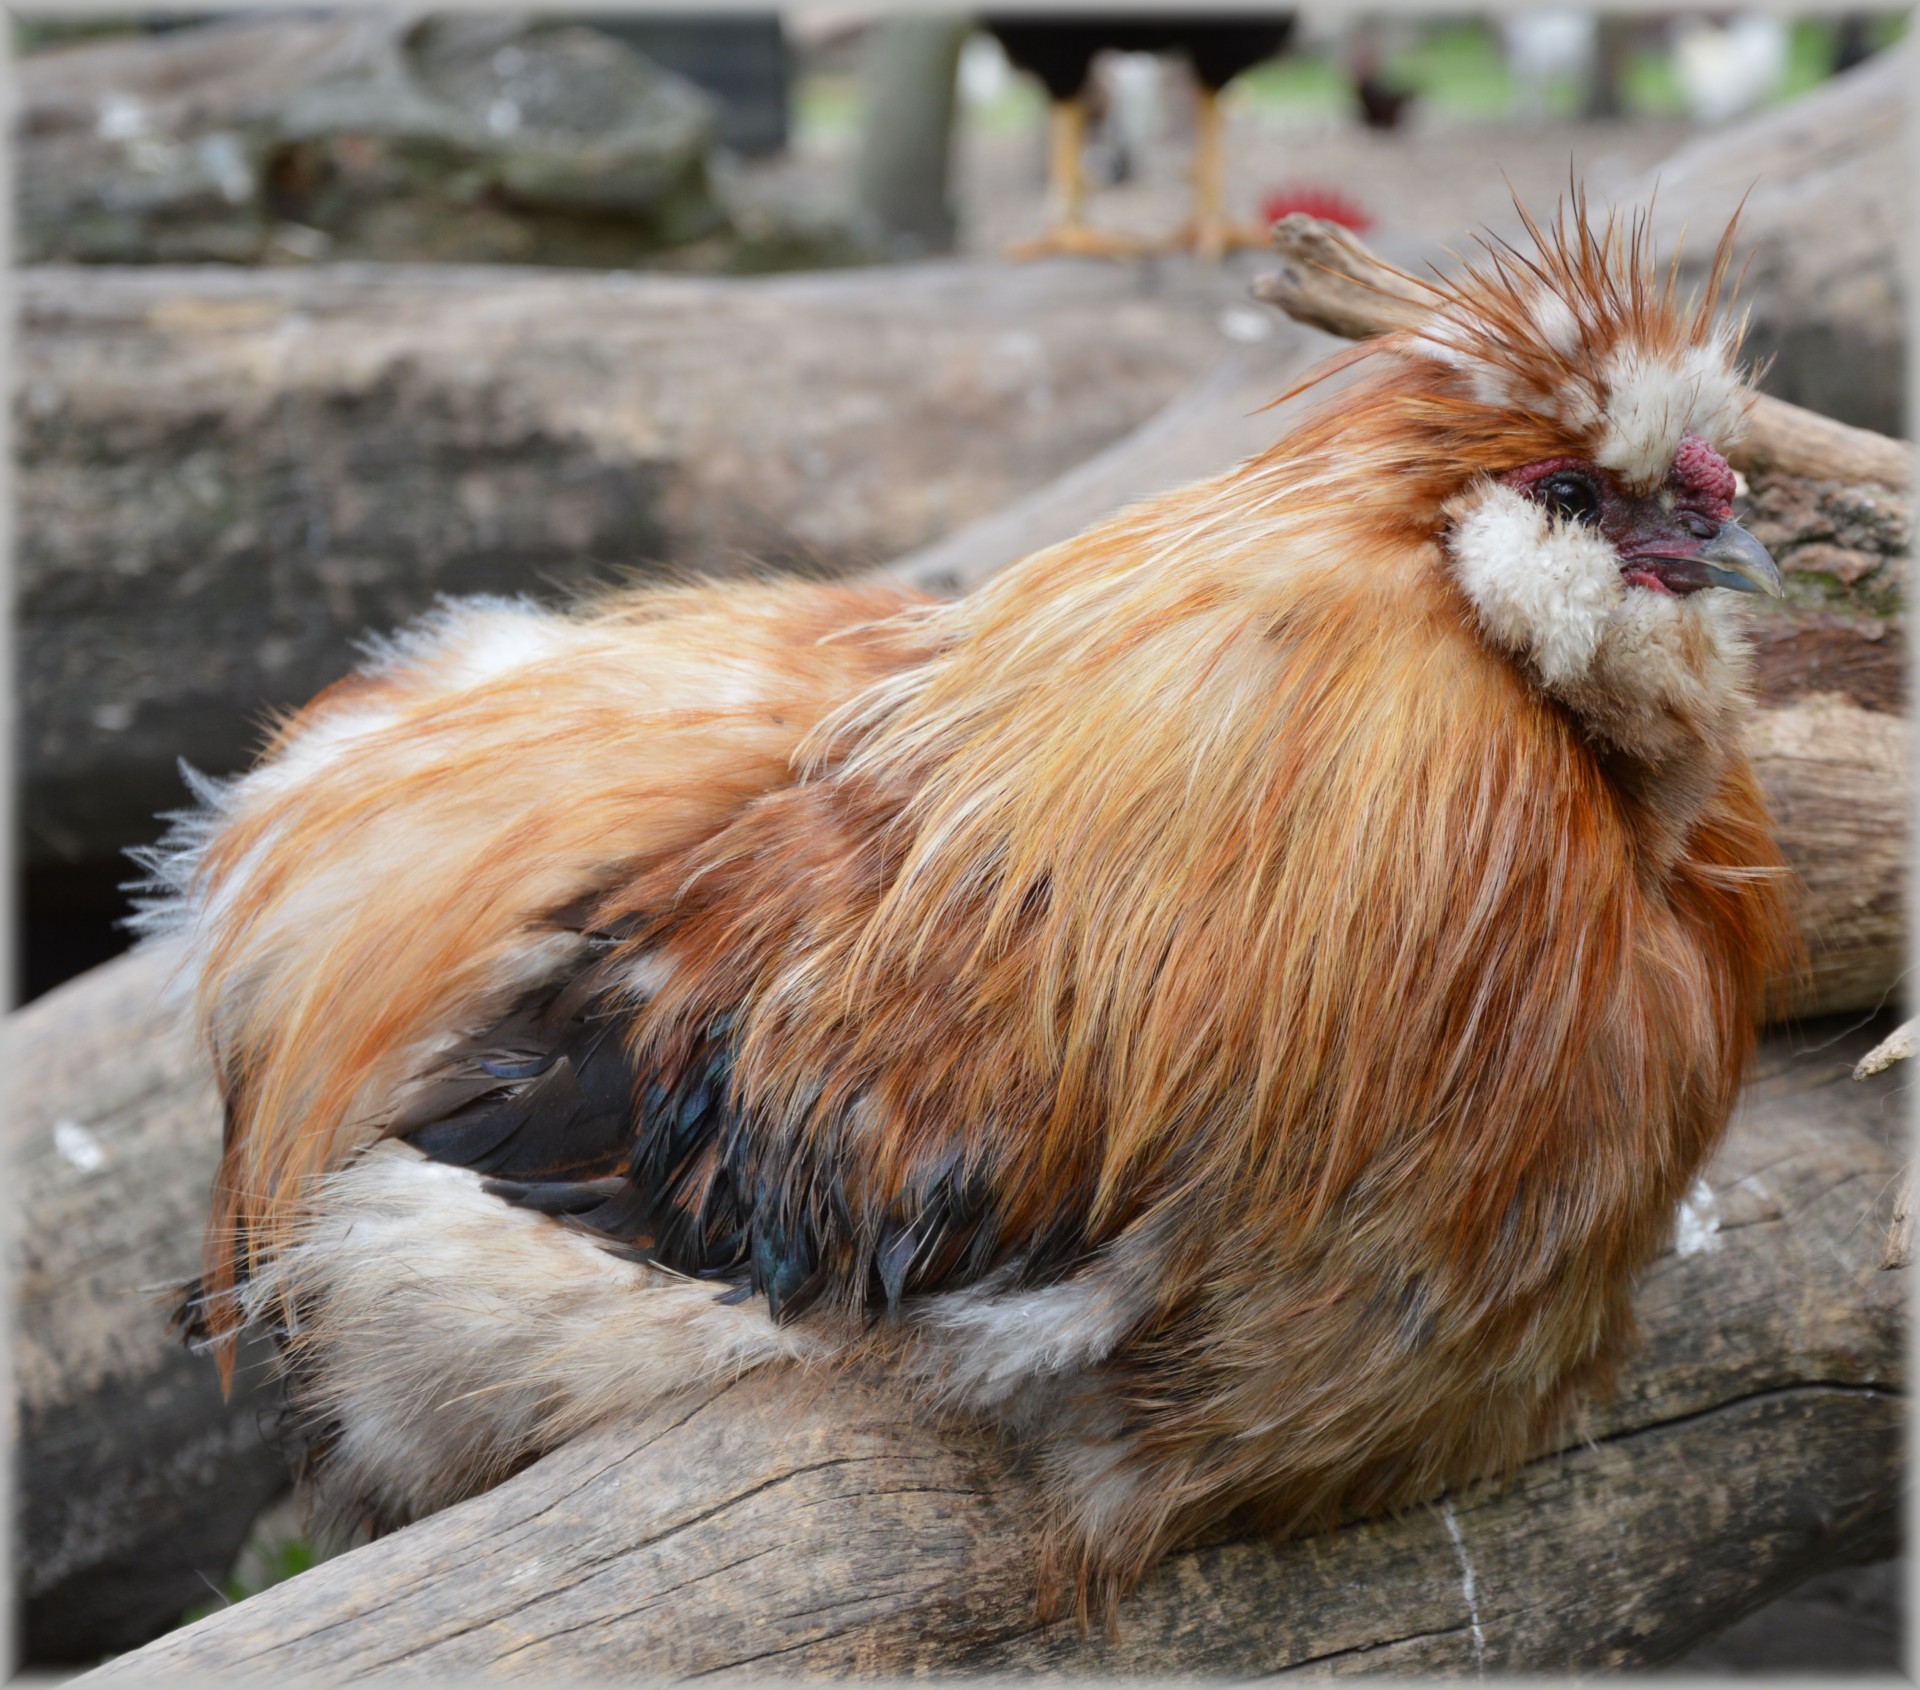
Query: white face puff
(1544, 589)
(1551, 595)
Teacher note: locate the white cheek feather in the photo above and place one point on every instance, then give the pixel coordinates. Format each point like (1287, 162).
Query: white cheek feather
(1544, 591)
(1631, 663)
(1671, 654)
(1652, 402)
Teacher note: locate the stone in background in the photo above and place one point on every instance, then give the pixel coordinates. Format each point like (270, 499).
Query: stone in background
(293, 138)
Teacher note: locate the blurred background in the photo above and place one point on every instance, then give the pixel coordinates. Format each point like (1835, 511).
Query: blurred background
(324, 313)
(831, 135)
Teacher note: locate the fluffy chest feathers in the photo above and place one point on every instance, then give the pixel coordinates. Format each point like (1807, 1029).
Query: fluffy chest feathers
(1233, 1003)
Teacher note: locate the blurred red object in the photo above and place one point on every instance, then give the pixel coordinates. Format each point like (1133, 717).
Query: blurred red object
(1328, 204)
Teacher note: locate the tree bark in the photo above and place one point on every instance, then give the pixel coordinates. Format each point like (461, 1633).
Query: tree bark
(1839, 781)
(787, 1526)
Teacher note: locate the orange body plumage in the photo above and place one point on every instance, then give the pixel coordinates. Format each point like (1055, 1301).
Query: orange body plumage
(1235, 1001)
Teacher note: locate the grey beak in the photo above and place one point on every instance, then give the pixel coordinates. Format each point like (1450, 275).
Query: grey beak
(1735, 559)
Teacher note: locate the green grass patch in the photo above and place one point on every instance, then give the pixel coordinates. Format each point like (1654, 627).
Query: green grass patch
(275, 1563)
(1295, 82)
(826, 106)
(1458, 68)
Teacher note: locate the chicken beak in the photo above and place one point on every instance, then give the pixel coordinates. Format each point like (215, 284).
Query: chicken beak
(1736, 560)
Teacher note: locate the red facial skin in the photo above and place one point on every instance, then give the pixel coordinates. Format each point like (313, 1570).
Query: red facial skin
(1658, 534)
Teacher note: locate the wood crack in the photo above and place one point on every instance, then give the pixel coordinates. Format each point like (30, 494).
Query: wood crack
(599, 1565)
(1361, 1650)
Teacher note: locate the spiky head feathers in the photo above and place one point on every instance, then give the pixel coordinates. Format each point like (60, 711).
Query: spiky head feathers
(1586, 348)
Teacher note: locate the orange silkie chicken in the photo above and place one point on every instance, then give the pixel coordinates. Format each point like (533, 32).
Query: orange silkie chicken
(1232, 1003)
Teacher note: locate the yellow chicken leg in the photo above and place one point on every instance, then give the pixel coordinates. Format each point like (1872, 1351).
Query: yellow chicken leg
(1070, 234)
(1209, 231)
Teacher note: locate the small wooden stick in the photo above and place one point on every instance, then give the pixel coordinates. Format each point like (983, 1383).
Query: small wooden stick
(1329, 280)
(1897, 1046)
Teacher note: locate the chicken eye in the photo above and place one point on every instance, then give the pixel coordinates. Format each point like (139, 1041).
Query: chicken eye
(1570, 494)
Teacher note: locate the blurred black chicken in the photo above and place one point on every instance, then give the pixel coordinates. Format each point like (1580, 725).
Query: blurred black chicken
(1060, 50)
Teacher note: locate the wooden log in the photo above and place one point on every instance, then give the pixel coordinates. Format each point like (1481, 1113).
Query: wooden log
(258, 467)
(1825, 185)
(1839, 781)
(136, 1483)
(783, 1528)
(1220, 419)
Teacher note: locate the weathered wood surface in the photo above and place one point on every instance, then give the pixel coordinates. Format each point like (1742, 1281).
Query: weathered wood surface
(1844, 547)
(1839, 781)
(134, 1483)
(257, 467)
(1218, 420)
(1825, 236)
(785, 1527)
